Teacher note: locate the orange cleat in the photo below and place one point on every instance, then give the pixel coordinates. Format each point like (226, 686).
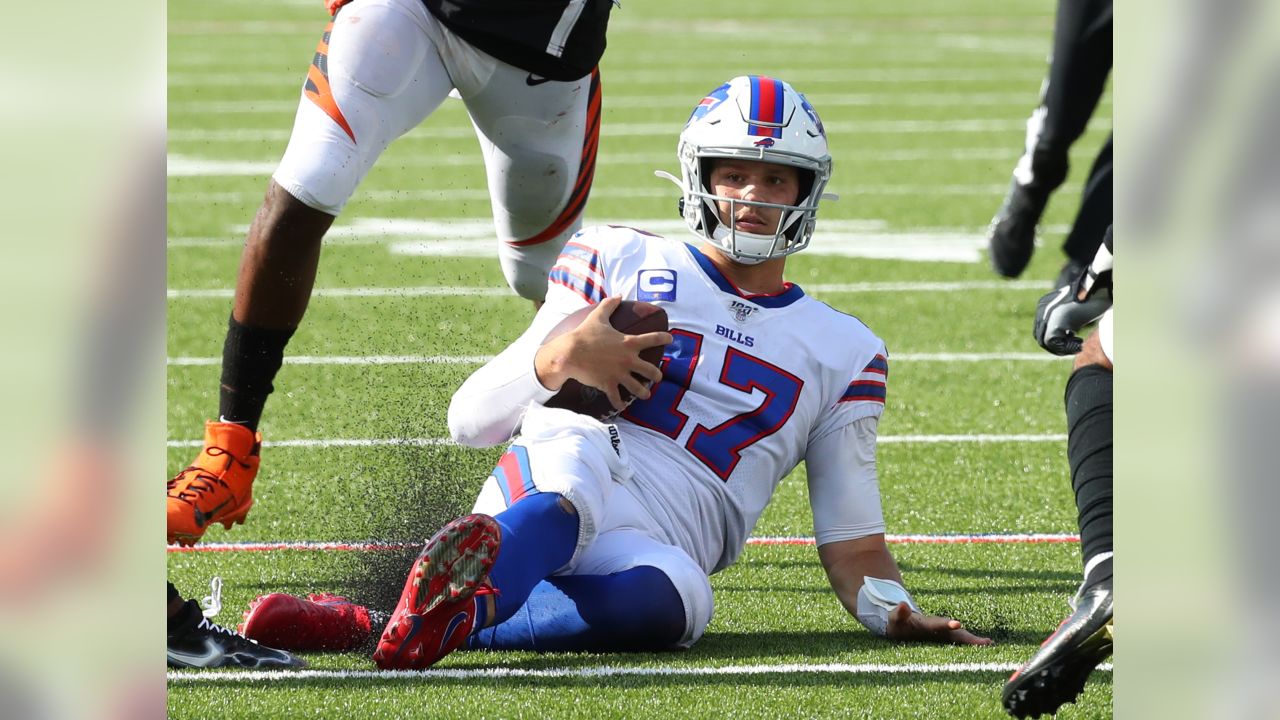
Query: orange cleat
(218, 486)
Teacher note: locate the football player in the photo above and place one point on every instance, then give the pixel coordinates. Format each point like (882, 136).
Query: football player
(1057, 672)
(595, 535)
(527, 74)
(1078, 70)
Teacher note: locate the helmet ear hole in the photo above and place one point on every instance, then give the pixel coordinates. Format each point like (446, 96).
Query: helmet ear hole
(807, 180)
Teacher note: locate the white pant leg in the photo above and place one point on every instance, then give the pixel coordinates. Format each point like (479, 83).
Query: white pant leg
(539, 146)
(560, 452)
(380, 77)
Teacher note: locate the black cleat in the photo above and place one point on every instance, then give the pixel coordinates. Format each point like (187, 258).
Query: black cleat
(209, 645)
(1056, 674)
(1011, 237)
(1070, 272)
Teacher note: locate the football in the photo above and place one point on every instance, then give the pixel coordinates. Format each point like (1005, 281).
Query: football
(631, 317)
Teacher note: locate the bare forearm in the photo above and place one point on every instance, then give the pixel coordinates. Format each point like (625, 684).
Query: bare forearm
(848, 562)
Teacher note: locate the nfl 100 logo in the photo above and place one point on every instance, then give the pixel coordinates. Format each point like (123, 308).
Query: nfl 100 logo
(656, 285)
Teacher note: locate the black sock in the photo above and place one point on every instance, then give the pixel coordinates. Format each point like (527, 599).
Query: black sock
(187, 617)
(1088, 400)
(251, 357)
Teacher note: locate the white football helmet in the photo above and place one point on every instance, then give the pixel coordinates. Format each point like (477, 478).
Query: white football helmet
(753, 118)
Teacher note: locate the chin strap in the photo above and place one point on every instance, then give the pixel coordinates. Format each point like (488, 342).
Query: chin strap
(877, 599)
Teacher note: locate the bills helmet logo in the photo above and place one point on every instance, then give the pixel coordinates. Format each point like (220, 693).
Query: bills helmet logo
(813, 115)
(764, 142)
(709, 103)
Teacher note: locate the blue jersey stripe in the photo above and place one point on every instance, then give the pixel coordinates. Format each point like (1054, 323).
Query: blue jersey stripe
(791, 294)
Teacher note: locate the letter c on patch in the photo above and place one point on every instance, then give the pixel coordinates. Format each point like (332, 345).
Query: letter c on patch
(656, 285)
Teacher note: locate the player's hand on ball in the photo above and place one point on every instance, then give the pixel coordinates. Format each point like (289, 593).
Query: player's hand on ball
(597, 355)
(906, 624)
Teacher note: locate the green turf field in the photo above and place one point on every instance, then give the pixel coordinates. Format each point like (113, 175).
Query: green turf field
(924, 103)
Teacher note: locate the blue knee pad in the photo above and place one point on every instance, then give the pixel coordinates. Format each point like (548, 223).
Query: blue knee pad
(634, 610)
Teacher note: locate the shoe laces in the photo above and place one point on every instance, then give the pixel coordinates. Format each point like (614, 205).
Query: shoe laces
(199, 480)
(212, 603)
(207, 624)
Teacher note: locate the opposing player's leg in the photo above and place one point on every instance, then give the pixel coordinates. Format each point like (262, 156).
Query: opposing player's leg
(1092, 219)
(1078, 72)
(1056, 674)
(376, 74)
(539, 143)
(536, 514)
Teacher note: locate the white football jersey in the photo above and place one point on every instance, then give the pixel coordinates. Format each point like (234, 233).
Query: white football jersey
(749, 382)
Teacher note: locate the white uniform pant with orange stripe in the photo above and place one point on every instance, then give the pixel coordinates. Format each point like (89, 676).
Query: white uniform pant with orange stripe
(584, 461)
(383, 66)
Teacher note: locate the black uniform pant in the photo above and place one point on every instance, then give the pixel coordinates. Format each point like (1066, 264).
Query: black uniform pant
(1077, 76)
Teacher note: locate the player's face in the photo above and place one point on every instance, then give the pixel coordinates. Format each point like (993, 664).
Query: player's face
(756, 181)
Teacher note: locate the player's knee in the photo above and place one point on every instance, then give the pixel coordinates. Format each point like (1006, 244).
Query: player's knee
(649, 613)
(526, 268)
(284, 221)
(693, 590)
(320, 185)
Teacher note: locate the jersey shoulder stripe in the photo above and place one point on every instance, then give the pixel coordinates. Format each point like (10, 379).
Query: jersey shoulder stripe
(870, 385)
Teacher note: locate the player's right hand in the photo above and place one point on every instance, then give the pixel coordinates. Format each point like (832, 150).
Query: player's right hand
(907, 624)
(596, 354)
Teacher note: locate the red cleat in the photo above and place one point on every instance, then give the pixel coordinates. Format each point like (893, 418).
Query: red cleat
(436, 612)
(319, 623)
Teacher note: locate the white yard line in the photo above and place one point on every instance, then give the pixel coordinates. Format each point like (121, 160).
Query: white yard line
(180, 165)
(323, 546)
(844, 77)
(351, 360)
(386, 231)
(360, 292)
(438, 131)
(499, 673)
(1019, 100)
(187, 361)
(423, 442)
(453, 291)
(980, 438)
(619, 193)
